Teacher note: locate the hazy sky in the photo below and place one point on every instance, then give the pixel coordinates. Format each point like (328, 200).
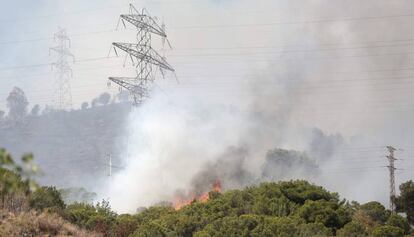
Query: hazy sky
(213, 41)
(344, 66)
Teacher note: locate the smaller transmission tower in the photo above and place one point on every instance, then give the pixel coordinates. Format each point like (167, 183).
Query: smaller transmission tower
(391, 168)
(142, 55)
(63, 95)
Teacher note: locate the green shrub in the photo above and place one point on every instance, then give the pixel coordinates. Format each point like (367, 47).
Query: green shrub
(387, 231)
(124, 225)
(46, 197)
(352, 229)
(399, 221)
(98, 218)
(376, 211)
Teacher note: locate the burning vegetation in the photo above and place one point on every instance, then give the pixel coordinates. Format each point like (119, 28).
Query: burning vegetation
(181, 201)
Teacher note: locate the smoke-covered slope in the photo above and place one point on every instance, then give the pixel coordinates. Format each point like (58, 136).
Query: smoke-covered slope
(72, 146)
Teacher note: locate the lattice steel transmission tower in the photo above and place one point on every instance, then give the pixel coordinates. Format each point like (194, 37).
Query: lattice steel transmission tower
(63, 95)
(143, 56)
(391, 168)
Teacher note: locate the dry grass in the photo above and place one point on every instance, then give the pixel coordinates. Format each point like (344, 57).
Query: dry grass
(31, 224)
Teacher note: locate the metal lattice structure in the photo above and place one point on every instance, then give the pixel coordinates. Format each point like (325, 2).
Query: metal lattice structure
(63, 95)
(391, 168)
(143, 56)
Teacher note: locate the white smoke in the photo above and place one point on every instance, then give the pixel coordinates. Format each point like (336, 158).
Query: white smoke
(254, 75)
(275, 98)
(171, 139)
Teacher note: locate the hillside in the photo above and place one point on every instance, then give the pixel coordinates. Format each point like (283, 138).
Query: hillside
(74, 144)
(294, 208)
(287, 208)
(43, 224)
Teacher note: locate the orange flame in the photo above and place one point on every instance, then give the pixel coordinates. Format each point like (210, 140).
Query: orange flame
(204, 197)
(182, 202)
(217, 186)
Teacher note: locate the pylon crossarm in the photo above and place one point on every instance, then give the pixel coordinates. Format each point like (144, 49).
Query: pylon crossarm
(150, 55)
(130, 84)
(144, 21)
(61, 51)
(143, 56)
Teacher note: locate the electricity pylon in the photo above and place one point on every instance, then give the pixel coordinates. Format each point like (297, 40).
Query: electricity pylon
(391, 168)
(63, 95)
(142, 55)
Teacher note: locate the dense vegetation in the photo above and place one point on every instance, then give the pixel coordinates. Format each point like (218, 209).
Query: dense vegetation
(292, 208)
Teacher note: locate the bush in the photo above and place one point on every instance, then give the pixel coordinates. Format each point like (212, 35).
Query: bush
(399, 221)
(328, 213)
(352, 229)
(405, 202)
(376, 211)
(15, 182)
(46, 197)
(387, 231)
(44, 224)
(124, 225)
(97, 218)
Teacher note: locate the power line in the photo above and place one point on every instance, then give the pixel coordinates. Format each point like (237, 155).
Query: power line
(49, 64)
(88, 11)
(375, 82)
(257, 60)
(229, 76)
(294, 50)
(369, 18)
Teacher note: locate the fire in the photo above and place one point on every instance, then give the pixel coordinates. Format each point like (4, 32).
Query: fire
(203, 197)
(182, 202)
(217, 186)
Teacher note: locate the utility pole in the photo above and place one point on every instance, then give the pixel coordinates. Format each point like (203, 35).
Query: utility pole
(391, 169)
(63, 95)
(142, 55)
(110, 164)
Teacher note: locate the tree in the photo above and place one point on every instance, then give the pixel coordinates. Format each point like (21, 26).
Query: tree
(48, 110)
(313, 229)
(387, 231)
(35, 110)
(15, 182)
(73, 195)
(405, 202)
(94, 102)
(46, 197)
(300, 191)
(17, 104)
(279, 162)
(329, 213)
(123, 96)
(104, 98)
(84, 105)
(352, 229)
(231, 226)
(376, 211)
(399, 221)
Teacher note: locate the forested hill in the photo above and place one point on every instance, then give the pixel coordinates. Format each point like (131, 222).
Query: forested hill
(294, 208)
(283, 209)
(74, 145)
